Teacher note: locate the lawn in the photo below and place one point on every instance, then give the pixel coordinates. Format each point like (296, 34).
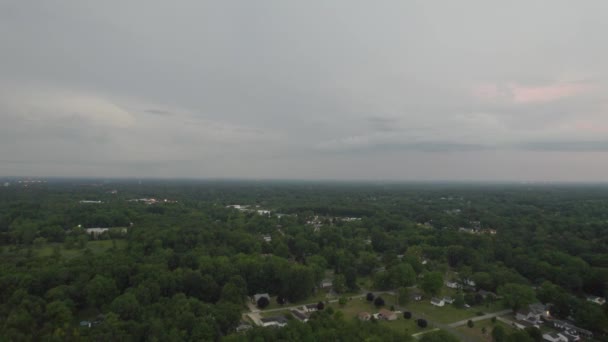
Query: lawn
(445, 314)
(320, 296)
(402, 325)
(96, 247)
(476, 333)
(356, 305)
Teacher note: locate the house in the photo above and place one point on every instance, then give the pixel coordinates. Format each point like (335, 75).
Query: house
(257, 296)
(387, 315)
(527, 315)
(571, 328)
(300, 316)
(571, 337)
(276, 321)
(554, 337)
(95, 232)
(437, 301)
(448, 300)
(243, 326)
(521, 325)
(310, 308)
(470, 282)
(364, 316)
(326, 284)
(540, 311)
(452, 284)
(596, 300)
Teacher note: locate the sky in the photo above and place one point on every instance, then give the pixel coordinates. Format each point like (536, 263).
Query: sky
(341, 89)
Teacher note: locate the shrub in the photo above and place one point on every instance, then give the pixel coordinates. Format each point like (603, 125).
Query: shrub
(378, 301)
(407, 315)
(263, 302)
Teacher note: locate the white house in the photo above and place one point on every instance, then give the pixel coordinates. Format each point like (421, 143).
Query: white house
(257, 297)
(448, 300)
(437, 301)
(299, 315)
(596, 300)
(452, 284)
(554, 337)
(277, 321)
(309, 308)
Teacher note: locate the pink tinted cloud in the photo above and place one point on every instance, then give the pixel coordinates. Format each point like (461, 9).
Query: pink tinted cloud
(527, 94)
(520, 94)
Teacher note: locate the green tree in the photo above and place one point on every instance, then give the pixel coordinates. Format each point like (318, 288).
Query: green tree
(459, 301)
(100, 290)
(403, 296)
(517, 296)
(126, 306)
(402, 274)
(534, 333)
(58, 314)
(339, 283)
(432, 283)
(499, 334)
(438, 336)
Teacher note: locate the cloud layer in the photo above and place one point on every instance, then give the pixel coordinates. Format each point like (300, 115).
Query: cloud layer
(341, 89)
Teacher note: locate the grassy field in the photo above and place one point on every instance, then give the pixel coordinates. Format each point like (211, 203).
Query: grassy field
(315, 298)
(445, 314)
(356, 305)
(96, 247)
(476, 331)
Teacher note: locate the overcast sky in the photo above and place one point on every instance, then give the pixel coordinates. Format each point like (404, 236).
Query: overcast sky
(394, 90)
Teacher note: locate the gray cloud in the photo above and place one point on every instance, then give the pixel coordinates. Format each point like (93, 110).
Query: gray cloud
(303, 90)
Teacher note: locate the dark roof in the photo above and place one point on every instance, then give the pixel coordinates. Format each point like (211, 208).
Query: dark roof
(299, 315)
(279, 319)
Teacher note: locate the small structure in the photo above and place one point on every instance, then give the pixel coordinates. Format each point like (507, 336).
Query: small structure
(327, 284)
(310, 308)
(448, 300)
(243, 326)
(87, 324)
(387, 315)
(257, 297)
(571, 328)
(596, 300)
(300, 316)
(528, 315)
(470, 282)
(267, 238)
(540, 310)
(437, 301)
(521, 325)
(452, 284)
(554, 337)
(417, 297)
(276, 321)
(364, 316)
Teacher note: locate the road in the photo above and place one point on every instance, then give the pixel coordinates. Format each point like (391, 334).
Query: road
(479, 318)
(255, 317)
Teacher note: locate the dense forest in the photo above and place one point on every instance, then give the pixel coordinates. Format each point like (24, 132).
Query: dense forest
(180, 259)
